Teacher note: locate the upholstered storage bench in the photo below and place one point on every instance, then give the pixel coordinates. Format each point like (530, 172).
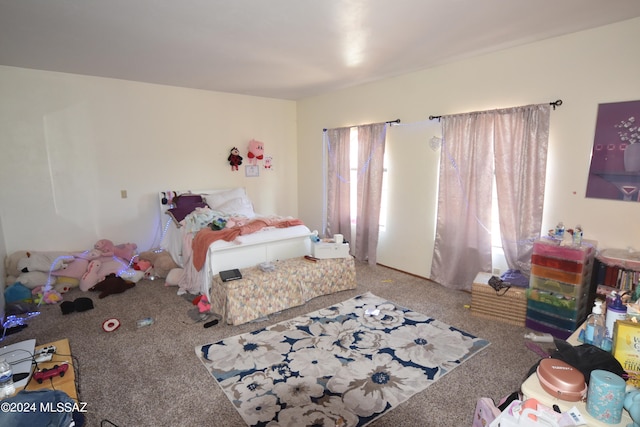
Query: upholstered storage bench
(510, 307)
(293, 282)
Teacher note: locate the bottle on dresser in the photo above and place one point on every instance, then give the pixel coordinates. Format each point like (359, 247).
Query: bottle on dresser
(595, 329)
(616, 310)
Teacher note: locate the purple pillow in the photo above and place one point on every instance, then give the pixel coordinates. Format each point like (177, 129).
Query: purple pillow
(184, 205)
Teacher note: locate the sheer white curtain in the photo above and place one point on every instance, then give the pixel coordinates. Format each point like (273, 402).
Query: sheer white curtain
(338, 183)
(463, 242)
(371, 147)
(515, 140)
(522, 136)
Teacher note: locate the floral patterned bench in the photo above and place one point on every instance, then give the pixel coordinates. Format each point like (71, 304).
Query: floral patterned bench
(292, 283)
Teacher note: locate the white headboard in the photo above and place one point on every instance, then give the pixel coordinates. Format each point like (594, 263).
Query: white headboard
(171, 238)
(165, 197)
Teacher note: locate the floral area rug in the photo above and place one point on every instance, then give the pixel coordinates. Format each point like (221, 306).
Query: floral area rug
(344, 365)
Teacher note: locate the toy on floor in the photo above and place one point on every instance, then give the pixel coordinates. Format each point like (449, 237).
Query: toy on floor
(48, 296)
(126, 251)
(33, 268)
(112, 284)
(99, 269)
(17, 292)
(174, 277)
(161, 261)
(79, 304)
(45, 374)
(110, 325)
(64, 284)
(43, 261)
(62, 271)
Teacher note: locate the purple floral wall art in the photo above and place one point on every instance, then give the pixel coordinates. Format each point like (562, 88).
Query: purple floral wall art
(615, 160)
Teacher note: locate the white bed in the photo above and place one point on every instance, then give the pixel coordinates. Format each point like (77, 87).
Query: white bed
(270, 244)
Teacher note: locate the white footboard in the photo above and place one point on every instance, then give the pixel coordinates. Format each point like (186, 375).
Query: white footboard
(249, 255)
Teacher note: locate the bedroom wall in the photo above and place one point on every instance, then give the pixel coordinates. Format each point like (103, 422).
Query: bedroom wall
(3, 254)
(71, 143)
(583, 69)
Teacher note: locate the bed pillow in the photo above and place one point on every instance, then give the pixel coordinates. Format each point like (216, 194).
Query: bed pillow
(240, 206)
(218, 198)
(231, 202)
(184, 204)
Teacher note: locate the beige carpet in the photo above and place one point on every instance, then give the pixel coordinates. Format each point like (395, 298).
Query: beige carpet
(151, 377)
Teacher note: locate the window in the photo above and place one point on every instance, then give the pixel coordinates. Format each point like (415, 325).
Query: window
(498, 260)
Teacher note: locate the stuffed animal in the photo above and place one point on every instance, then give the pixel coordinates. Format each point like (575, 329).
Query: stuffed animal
(142, 265)
(44, 261)
(235, 159)
(125, 251)
(174, 277)
(11, 265)
(632, 404)
(17, 292)
(32, 268)
(74, 269)
(40, 295)
(100, 268)
(256, 152)
(52, 297)
(161, 261)
(32, 261)
(88, 255)
(33, 279)
(65, 284)
(112, 284)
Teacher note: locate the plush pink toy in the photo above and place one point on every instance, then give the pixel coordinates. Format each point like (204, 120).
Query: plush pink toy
(125, 251)
(100, 268)
(90, 267)
(256, 152)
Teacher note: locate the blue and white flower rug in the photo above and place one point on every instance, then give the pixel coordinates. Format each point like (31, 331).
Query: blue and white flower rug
(344, 365)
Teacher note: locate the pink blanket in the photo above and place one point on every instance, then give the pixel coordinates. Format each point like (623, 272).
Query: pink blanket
(205, 237)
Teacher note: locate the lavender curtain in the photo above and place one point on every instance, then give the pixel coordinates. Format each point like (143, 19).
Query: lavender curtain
(521, 142)
(338, 183)
(463, 238)
(515, 140)
(371, 146)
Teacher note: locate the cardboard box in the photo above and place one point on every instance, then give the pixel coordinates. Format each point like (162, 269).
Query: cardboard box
(511, 307)
(324, 250)
(626, 349)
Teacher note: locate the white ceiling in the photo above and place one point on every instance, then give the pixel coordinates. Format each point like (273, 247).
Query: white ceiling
(288, 49)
